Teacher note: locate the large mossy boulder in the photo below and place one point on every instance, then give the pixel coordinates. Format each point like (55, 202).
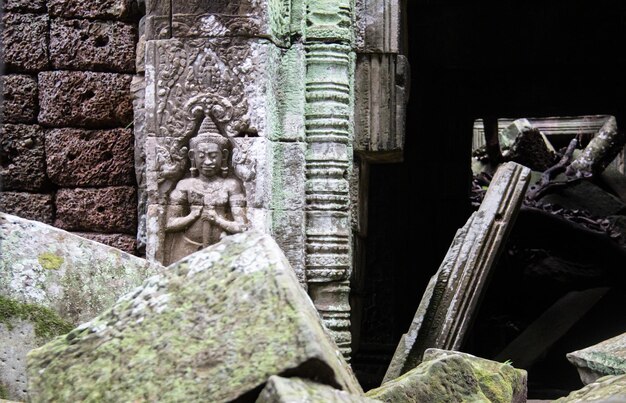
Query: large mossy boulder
(450, 376)
(51, 281)
(212, 327)
(290, 390)
(608, 389)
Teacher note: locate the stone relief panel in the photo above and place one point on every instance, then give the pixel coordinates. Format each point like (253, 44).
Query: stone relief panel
(206, 148)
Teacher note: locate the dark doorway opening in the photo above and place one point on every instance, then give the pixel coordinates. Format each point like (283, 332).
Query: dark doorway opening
(471, 60)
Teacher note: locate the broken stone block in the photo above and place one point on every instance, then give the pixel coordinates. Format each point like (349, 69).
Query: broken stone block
(287, 390)
(450, 376)
(608, 389)
(22, 157)
(102, 9)
(32, 206)
(76, 157)
(526, 145)
(451, 298)
(25, 40)
(110, 209)
(123, 242)
(93, 45)
(605, 358)
(51, 280)
(19, 102)
(85, 99)
(212, 327)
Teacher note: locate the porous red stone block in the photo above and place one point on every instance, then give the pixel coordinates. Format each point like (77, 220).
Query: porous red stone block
(93, 45)
(32, 206)
(85, 99)
(123, 242)
(25, 41)
(101, 9)
(25, 6)
(81, 158)
(22, 157)
(108, 210)
(19, 102)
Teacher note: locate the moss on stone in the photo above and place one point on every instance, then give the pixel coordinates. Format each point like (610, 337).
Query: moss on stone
(4, 393)
(50, 261)
(208, 328)
(47, 323)
(496, 385)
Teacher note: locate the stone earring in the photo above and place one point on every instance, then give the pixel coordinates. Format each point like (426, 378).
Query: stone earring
(193, 170)
(224, 167)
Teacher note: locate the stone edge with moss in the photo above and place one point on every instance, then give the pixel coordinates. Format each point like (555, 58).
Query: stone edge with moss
(47, 323)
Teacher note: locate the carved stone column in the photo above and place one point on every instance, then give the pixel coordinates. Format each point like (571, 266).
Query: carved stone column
(329, 132)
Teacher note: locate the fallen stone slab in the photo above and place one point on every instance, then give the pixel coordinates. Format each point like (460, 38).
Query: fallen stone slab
(451, 376)
(608, 389)
(453, 293)
(50, 281)
(212, 327)
(288, 390)
(605, 358)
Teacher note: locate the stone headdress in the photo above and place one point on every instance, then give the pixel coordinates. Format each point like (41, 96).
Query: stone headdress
(209, 133)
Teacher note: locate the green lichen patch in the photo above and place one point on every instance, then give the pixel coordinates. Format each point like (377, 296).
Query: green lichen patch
(50, 261)
(47, 323)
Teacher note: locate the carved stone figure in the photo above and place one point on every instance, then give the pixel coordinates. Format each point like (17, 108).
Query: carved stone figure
(208, 204)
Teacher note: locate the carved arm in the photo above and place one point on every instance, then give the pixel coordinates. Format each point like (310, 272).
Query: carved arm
(175, 223)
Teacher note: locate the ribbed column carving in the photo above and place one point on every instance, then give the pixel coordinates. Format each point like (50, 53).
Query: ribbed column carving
(329, 128)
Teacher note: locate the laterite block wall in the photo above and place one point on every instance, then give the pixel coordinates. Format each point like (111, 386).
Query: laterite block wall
(66, 140)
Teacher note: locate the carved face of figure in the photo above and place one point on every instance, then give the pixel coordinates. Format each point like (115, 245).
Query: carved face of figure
(207, 158)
